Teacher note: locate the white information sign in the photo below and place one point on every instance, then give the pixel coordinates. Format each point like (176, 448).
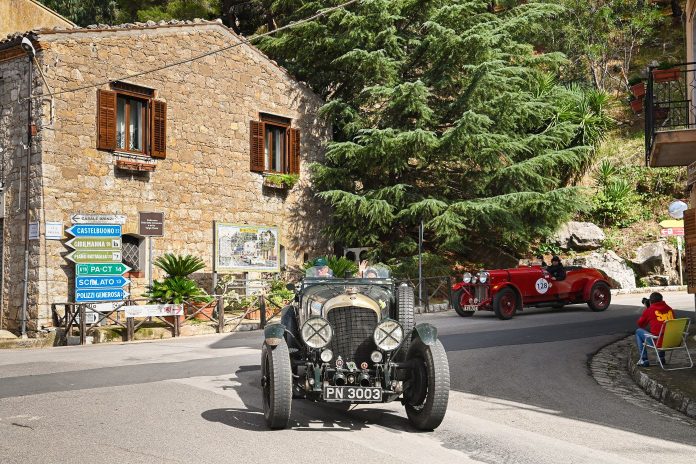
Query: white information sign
(33, 231)
(153, 310)
(54, 230)
(98, 218)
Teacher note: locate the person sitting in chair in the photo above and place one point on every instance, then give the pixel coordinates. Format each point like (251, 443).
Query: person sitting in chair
(556, 269)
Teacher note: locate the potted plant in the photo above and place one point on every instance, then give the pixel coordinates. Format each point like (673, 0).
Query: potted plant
(177, 287)
(666, 72)
(637, 86)
(281, 181)
(637, 105)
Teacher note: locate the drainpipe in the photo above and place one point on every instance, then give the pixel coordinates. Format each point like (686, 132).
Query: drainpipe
(29, 49)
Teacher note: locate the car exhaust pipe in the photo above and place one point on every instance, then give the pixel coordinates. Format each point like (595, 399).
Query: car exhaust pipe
(339, 379)
(364, 379)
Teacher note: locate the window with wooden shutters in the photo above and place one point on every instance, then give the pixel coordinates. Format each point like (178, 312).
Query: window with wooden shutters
(106, 120)
(274, 145)
(159, 129)
(130, 120)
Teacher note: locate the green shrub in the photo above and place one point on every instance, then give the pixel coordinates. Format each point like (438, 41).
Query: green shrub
(176, 290)
(179, 265)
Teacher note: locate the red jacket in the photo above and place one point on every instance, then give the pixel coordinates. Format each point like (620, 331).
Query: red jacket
(655, 316)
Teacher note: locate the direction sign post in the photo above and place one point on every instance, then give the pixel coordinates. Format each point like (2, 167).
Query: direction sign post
(98, 219)
(101, 269)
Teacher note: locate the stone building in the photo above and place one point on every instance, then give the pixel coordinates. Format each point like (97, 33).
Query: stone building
(195, 141)
(25, 15)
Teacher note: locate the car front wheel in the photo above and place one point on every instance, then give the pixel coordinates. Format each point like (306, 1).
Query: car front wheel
(505, 303)
(276, 385)
(427, 390)
(600, 297)
(457, 303)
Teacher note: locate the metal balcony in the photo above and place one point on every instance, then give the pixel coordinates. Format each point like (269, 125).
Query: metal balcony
(670, 116)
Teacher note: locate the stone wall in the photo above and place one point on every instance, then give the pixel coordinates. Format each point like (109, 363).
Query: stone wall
(25, 15)
(205, 177)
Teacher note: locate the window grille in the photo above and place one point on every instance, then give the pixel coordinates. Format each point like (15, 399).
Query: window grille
(130, 252)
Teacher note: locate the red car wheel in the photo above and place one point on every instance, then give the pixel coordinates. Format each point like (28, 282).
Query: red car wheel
(505, 303)
(458, 304)
(600, 297)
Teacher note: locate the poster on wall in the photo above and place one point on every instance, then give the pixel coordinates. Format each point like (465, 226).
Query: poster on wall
(246, 248)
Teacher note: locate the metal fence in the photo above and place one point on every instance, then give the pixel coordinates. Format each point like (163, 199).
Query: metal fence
(237, 300)
(669, 101)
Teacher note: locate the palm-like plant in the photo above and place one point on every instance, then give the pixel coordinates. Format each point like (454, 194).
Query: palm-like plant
(179, 265)
(176, 290)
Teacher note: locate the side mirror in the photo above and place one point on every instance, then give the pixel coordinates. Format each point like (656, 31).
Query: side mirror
(290, 286)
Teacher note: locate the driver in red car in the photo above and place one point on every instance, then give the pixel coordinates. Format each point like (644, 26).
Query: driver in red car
(556, 269)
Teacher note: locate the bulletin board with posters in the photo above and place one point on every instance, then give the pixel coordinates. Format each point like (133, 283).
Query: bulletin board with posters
(246, 248)
(690, 258)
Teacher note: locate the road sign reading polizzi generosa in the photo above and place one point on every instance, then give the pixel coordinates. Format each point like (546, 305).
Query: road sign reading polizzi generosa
(102, 294)
(101, 269)
(95, 256)
(87, 218)
(98, 282)
(95, 230)
(94, 243)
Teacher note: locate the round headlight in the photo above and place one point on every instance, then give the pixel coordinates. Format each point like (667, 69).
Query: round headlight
(483, 277)
(326, 355)
(376, 356)
(388, 335)
(467, 278)
(316, 332)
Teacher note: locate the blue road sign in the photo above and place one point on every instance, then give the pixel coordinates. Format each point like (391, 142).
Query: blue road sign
(98, 282)
(95, 230)
(103, 294)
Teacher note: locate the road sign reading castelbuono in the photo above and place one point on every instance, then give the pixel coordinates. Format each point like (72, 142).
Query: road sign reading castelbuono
(95, 230)
(101, 269)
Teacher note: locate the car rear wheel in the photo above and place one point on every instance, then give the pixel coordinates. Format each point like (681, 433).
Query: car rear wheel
(405, 308)
(457, 304)
(427, 390)
(505, 303)
(276, 385)
(600, 297)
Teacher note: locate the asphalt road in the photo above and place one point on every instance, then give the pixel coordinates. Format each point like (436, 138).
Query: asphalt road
(521, 392)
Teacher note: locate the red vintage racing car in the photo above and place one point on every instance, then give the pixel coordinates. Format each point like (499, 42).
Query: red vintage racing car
(506, 291)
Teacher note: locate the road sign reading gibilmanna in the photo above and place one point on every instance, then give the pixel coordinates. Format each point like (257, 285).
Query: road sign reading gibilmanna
(101, 269)
(94, 243)
(95, 230)
(95, 256)
(99, 282)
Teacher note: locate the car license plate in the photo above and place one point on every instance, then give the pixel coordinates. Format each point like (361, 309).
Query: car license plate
(469, 308)
(353, 394)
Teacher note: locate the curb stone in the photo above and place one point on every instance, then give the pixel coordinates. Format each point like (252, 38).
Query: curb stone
(669, 397)
(632, 291)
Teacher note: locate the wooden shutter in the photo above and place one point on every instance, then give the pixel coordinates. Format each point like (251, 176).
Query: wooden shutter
(159, 129)
(690, 258)
(257, 152)
(106, 120)
(294, 161)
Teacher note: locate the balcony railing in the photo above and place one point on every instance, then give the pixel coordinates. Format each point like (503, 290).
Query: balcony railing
(669, 101)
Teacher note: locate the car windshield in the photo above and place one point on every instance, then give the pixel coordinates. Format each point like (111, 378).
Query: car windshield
(319, 271)
(375, 271)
